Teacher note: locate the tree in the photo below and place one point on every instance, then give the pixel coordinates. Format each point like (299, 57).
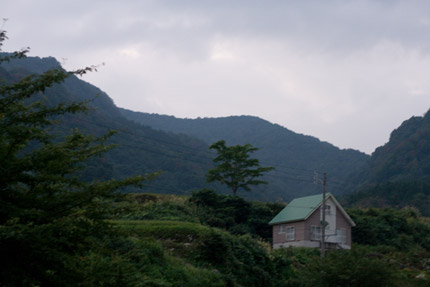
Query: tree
(235, 168)
(50, 219)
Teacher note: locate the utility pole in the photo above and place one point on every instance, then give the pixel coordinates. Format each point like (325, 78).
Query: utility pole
(323, 223)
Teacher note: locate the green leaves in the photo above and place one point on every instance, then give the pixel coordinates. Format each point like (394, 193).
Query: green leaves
(234, 214)
(399, 228)
(357, 267)
(235, 168)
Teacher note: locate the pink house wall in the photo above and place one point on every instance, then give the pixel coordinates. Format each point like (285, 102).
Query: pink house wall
(313, 220)
(303, 228)
(341, 222)
(299, 232)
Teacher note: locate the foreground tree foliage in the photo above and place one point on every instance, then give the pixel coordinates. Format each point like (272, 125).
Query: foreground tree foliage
(235, 168)
(49, 218)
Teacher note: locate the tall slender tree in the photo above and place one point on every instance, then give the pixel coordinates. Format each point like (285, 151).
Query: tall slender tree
(235, 167)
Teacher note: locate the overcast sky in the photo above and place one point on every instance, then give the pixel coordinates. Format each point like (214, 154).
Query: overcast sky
(347, 72)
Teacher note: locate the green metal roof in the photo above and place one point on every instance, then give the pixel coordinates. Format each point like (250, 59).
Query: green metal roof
(298, 209)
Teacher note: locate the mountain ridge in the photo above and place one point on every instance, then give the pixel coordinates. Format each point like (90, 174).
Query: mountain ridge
(298, 155)
(157, 125)
(398, 173)
(405, 155)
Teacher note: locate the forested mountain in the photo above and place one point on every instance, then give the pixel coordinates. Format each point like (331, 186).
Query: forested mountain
(398, 173)
(294, 156)
(179, 147)
(405, 157)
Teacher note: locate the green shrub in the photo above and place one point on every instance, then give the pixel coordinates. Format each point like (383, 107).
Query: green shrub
(177, 230)
(233, 213)
(142, 206)
(402, 229)
(357, 267)
(245, 259)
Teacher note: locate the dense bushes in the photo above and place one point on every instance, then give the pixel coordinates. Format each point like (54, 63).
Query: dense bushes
(347, 268)
(241, 256)
(128, 261)
(235, 214)
(142, 206)
(402, 229)
(239, 260)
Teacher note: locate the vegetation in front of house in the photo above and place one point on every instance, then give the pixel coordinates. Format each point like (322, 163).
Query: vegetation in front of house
(246, 259)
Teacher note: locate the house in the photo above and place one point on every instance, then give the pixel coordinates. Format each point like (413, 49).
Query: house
(299, 224)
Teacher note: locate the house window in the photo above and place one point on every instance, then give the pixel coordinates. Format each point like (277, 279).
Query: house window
(289, 232)
(315, 233)
(341, 235)
(327, 209)
(282, 229)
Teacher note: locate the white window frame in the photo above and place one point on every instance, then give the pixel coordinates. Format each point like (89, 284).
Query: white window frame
(282, 229)
(341, 235)
(315, 232)
(289, 231)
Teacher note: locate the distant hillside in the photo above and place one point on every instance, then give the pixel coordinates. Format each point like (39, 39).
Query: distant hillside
(294, 156)
(398, 173)
(183, 160)
(405, 157)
